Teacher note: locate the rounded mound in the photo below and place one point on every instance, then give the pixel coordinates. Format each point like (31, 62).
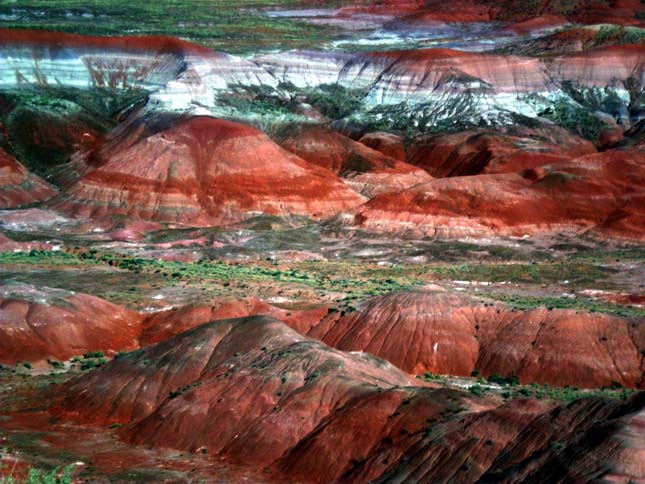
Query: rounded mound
(45, 323)
(201, 171)
(456, 335)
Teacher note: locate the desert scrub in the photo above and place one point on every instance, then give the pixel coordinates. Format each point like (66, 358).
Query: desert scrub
(236, 27)
(577, 303)
(535, 273)
(618, 35)
(335, 101)
(37, 257)
(445, 113)
(38, 476)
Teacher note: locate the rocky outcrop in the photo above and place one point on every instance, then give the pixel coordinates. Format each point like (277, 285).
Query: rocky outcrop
(264, 396)
(18, 186)
(180, 75)
(484, 151)
(455, 335)
(367, 171)
(199, 171)
(547, 199)
(184, 77)
(601, 67)
(44, 323)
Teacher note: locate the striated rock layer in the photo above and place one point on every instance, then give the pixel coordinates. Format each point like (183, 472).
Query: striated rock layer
(43, 323)
(180, 74)
(367, 171)
(185, 77)
(493, 81)
(200, 171)
(18, 186)
(455, 335)
(266, 397)
(603, 191)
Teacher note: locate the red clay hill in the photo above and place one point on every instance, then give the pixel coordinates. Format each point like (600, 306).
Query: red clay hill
(603, 192)
(264, 396)
(18, 186)
(368, 171)
(455, 335)
(43, 323)
(416, 331)
(200, 171)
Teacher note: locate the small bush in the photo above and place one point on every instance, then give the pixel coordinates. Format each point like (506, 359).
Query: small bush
(94, 354)
(504, 381)
(57, 365)
(477, 390)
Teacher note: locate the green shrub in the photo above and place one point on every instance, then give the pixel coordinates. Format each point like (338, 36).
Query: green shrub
(575, 118)
(335, 101)
(477, 390)
(39, 476)
(57, 365)
(94, 354)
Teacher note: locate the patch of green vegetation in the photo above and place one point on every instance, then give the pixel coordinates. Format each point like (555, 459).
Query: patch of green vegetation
(94, 354)
(56, 365)
(272, 108)
(618, 35)
(180, 391)
(504, 380)
(63, 113)
(601, 255)
(90, 360)
(350, 281)
(510, 388)
(534, 273)
(577, 303)
(575, 118)
(32, 257)
(564, 394)
(236, 27)
(39, 476)
(335, 101)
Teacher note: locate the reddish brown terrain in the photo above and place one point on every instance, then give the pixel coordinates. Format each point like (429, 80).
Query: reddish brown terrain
(201, 171)
(322, 242)
(555, 197)
(367, 171)
(483, 152)
(453, 335)
(18, 186)
(389, 144)
(431, 11)
(42, 323)
(263, 395)
(163, 325)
